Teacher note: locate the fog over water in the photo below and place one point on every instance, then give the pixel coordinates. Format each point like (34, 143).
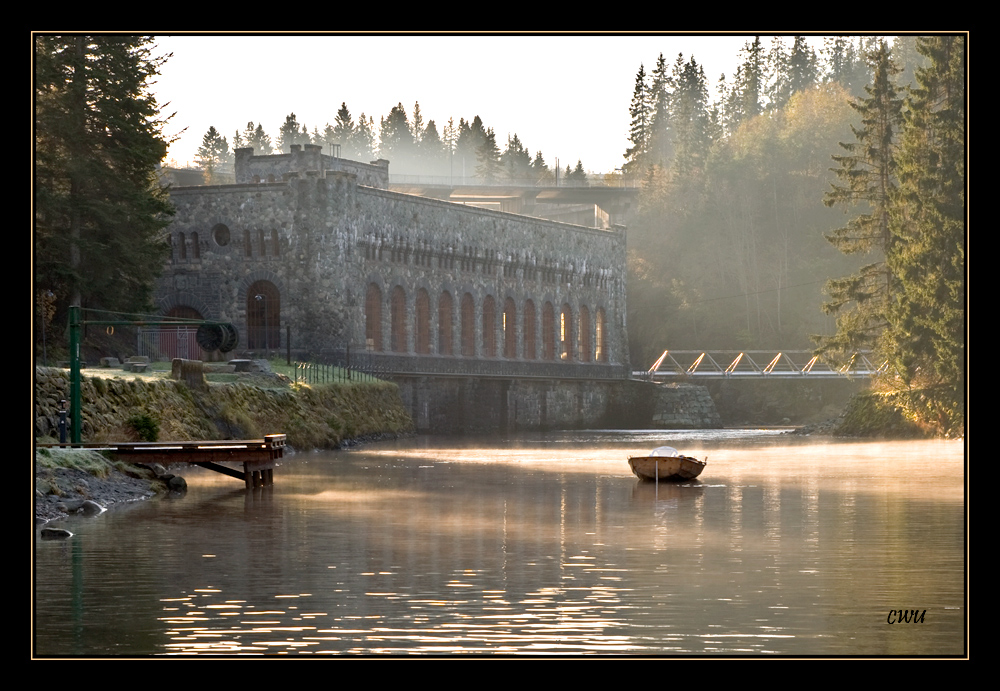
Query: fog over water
(530, 545)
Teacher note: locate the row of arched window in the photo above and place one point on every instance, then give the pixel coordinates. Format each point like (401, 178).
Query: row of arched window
(507, 330)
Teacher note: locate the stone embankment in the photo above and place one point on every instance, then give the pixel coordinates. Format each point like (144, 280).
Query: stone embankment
(326, 416)
(69, 481)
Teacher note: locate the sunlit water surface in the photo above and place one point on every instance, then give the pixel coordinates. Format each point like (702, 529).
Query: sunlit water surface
(534, 545)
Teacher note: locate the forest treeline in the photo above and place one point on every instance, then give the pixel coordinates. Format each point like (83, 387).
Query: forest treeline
(818, 201)
(468, 149)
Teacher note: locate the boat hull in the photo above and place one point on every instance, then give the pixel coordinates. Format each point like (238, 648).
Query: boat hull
(666, 468)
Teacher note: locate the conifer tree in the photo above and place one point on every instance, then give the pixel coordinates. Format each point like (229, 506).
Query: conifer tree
(99, 208)
(488, 158)
(213, 155)
(639, 127)
(866, 176)
(927, 256)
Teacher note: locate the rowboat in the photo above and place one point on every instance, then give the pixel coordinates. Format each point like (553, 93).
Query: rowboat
(665, 463)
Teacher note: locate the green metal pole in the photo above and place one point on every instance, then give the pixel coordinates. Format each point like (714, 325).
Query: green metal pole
(75, 405)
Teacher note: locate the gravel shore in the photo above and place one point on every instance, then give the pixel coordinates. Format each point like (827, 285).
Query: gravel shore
(65, 479)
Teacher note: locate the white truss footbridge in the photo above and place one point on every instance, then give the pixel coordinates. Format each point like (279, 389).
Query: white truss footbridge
(734, 364)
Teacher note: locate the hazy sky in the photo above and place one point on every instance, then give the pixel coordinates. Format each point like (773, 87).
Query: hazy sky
(565, 95)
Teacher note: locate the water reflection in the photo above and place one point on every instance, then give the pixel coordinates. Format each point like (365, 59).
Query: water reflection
(542, 544)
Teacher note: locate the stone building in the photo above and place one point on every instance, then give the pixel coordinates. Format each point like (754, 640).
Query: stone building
(314, 253)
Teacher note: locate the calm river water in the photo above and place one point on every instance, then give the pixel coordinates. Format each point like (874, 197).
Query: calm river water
(530, 545)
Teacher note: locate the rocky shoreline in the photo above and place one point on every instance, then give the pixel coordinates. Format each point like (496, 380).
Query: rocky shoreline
(85, 482)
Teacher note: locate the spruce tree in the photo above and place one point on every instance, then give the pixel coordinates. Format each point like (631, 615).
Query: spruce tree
(866, 176)
(639, 128)
(927, 256)
(100, 211)
(213, 155)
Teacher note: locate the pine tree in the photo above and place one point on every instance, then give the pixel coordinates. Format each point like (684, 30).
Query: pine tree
(213, 155)
(488, 158)
(866, 176)
(395, 139)
(516, 160)
(803, 66)
(288, 134)
(99, 209)
(639, 127)
(927, 256)
(364, 138)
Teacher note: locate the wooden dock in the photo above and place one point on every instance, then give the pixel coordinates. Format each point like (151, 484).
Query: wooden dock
(258, 456)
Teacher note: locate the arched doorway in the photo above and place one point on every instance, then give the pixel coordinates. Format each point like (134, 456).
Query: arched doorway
(263, 316)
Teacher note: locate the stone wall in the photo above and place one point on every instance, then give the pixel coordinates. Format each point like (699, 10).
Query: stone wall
(684, 406)
(320, 417)
(334, 263)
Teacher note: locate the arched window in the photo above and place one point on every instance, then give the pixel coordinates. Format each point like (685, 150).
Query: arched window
(247, 246)
(182, 247)
(468, 326)
(422, 343)
(566, 333)
(601, 350)
(261, 243)
(548, 332)
(530, 349)
(275, 244)
(509, 329)
(373, 318)
(195, 247)
(445, 310)
(583, 335)
(263, 316)
(397, 319)
(489, 327)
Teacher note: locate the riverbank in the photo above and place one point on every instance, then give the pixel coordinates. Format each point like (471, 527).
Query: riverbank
(125, 408)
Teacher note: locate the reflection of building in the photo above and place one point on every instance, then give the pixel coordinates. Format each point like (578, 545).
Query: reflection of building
(315, 249)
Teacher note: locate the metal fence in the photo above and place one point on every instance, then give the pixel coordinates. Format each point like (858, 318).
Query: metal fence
(163, 344)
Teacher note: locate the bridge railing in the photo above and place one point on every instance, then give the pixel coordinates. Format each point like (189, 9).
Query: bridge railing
(680, 364)
(383, 365)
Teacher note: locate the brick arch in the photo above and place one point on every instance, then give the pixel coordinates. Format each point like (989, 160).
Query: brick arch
(446, 319)
(489, 327)
(583, 334)
(600, 336)
(467, 319)
(509, 324)
(548, 331)
(398, 336)
(566, 332)
(183, 299)
(422, 322)
(530, 349)
(373, 317)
